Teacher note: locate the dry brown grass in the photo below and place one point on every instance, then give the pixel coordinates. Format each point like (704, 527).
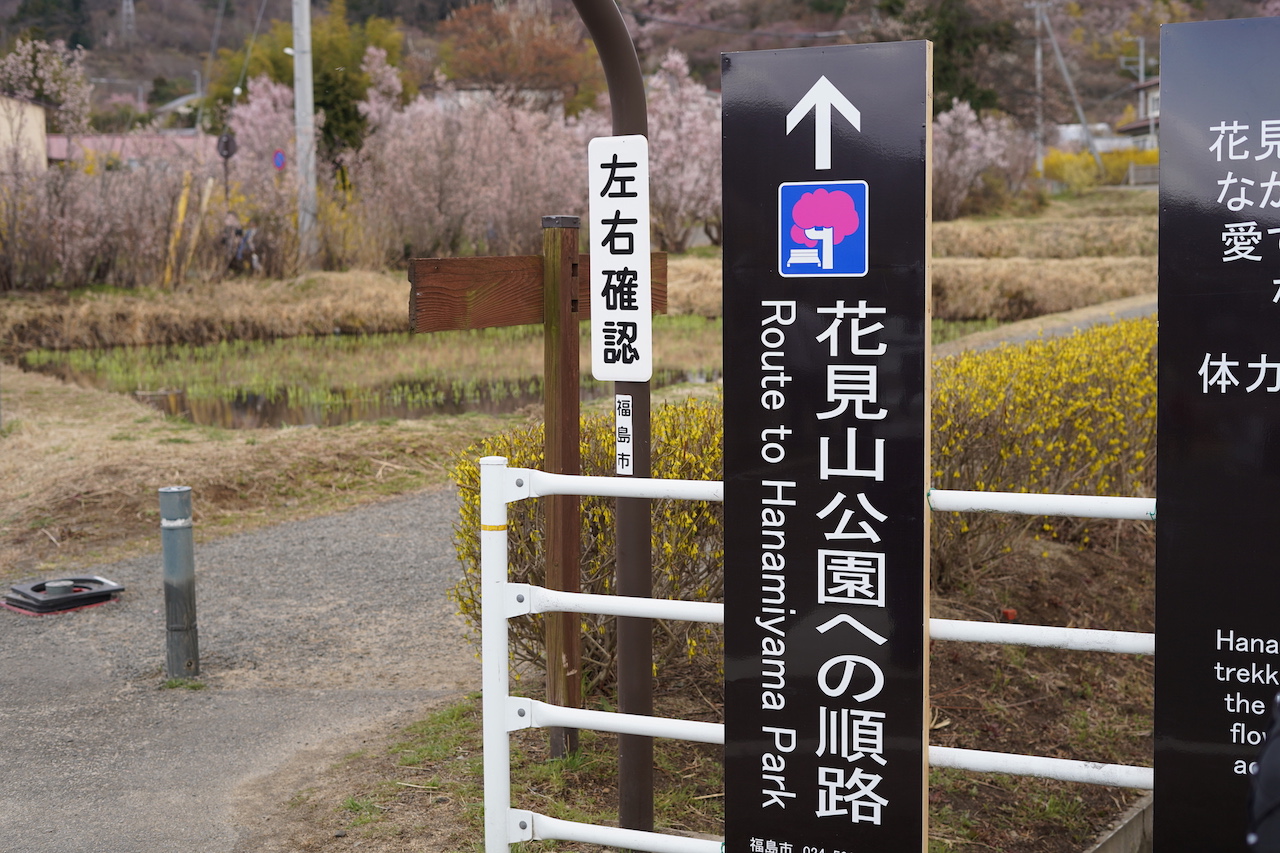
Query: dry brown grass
(248, 309)
(79, 469)
(694, 286)
(1083, 237)
(1017, 288)
(1106, 201)
(317, 303)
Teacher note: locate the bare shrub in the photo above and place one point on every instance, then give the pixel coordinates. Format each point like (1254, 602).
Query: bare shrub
(461, 172)
(72, 228)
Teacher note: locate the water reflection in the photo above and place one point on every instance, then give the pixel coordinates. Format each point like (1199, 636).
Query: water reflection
(304, 407)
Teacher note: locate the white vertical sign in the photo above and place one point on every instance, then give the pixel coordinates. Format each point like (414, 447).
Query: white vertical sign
(621, 304)
(624, 452)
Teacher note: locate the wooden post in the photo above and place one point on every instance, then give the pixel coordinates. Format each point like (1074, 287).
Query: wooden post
(205, 195)
(481, 293)
(563, 456)
(175, 236)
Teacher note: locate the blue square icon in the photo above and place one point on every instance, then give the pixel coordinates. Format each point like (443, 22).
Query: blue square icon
(822, 229)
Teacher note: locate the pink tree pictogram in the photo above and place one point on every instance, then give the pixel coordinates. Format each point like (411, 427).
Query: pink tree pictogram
(823, 209)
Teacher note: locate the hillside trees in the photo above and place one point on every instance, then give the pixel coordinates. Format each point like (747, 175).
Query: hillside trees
(338, 48)
(55, 20)
(967, 41)
(523, 54)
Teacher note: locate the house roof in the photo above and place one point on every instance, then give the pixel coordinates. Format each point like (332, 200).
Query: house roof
(1137, 127)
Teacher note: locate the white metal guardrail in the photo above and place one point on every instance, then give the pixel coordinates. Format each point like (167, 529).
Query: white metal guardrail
(1020, 503)
(501, 600)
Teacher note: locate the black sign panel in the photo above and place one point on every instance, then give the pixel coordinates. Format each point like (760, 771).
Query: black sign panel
(1218, 540)
(826, 175)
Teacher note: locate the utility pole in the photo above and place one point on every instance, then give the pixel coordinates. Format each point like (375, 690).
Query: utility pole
(128, 22)
(1066, 75)
(1145, 98)
(1039, 93)
(304, 133)
(1126, 62)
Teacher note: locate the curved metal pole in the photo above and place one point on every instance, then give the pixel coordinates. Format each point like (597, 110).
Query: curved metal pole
(635, 521)
(621, 65)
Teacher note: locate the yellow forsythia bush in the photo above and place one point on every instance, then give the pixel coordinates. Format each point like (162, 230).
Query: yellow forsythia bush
(1079, 171)
(1073, 415)
(688, 536)
(1116, 163)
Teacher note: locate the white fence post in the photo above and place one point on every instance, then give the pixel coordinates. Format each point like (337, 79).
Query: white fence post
(493, 651)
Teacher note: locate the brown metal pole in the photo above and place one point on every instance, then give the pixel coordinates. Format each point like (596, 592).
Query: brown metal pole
(634, 532)
(635, 636)
(563, 456)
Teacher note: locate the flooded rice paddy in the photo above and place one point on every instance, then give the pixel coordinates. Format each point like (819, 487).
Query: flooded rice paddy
(329, 381)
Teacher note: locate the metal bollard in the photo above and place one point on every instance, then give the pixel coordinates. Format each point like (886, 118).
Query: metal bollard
(182, 640)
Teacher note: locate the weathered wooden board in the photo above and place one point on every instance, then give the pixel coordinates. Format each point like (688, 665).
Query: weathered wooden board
(480, 293)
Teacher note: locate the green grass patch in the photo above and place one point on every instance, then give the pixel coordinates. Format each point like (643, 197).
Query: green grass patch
(464, 368)
(183, 684)
(363, 810)
(689, 778)
(442, 736)
(950, 330)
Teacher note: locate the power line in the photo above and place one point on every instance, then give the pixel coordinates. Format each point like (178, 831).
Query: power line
(208, 64)
(248, 52)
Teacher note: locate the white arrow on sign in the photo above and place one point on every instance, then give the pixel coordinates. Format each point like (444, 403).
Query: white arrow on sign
(821, 98)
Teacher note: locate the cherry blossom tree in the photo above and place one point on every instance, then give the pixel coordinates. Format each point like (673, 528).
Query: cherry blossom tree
(684, 154)
(50, 74)
(261, 196)
(965, 146)
(462, 171)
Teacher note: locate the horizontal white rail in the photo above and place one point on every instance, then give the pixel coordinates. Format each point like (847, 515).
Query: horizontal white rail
(530, 826)
(1079, 506)
(530, 483)
(503, 713)
(523, 599)
(1068, 770)
(1081, 639)
(525, 713)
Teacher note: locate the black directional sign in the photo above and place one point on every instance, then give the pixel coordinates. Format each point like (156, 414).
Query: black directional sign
(826, 176)
(1217, 539)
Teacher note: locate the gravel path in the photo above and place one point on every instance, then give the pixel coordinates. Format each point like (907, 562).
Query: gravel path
(309, 632)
